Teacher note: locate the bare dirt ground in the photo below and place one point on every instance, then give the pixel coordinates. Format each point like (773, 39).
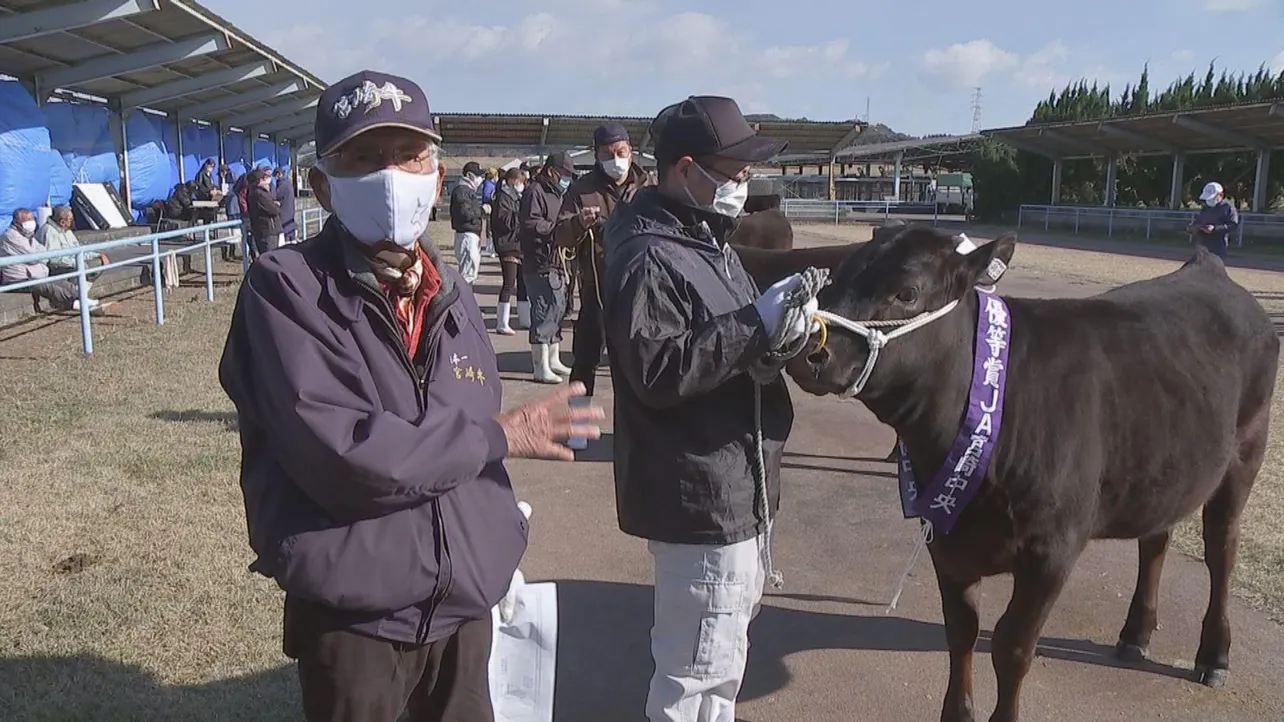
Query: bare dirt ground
(126, 594)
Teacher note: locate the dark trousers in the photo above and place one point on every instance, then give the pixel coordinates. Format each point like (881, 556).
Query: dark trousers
(514, 281)
(547, 292)
(348, 677)
(587, 342)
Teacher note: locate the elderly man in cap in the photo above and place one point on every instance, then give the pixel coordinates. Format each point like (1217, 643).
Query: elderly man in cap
(698, 439)
(1215, 221)
(466, 220)
(542, 265)
(588, 202)
(372, 439)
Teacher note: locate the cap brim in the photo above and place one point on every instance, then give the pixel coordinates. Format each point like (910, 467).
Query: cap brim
(755, 149)
(338, 142)
(1207, 194)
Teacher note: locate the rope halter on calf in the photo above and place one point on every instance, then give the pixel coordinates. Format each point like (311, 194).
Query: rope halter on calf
(876, 339)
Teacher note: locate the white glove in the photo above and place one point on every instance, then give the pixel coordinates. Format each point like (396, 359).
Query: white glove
(771, 305)
(508, 604)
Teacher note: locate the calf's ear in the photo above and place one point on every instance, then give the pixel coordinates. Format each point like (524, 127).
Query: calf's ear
(987, 264)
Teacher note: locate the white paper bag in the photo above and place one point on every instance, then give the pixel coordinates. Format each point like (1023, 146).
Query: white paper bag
(523, 656)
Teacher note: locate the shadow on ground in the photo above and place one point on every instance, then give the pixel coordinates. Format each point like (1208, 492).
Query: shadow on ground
(603, 667)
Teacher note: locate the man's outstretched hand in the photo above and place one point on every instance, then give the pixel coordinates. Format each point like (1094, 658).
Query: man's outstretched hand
(538, 429)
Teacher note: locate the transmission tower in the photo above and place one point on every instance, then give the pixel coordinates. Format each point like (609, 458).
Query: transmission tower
(976, 109)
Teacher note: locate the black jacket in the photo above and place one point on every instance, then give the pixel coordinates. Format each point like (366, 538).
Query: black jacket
(465, 209)
(541, 201)
(682, 332)
(265, 214)
(505, 221)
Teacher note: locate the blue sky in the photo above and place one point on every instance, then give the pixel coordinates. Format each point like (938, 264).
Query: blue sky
(916, 61)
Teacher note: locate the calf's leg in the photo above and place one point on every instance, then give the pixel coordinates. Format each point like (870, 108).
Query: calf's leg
(962, 625)
(1036, 584)
(1143, 613)
(1221, 542)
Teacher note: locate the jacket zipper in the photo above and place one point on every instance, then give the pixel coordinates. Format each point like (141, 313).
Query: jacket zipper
(445, 567)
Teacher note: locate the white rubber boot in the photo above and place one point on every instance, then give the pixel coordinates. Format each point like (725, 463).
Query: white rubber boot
(555, 359)
(539, 361)
(523, 314)
(502, 312)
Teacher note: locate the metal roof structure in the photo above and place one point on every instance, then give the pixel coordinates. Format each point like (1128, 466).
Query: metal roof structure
(566, 132)
(168, 55)
(910, 151)
(1224, 129)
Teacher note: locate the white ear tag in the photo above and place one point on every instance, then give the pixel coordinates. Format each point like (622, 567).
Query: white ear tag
(995, 270)
(965, 245)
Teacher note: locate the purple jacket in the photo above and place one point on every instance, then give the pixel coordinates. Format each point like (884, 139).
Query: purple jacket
(373, 485)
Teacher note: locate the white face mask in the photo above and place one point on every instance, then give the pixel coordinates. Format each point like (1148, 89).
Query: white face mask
(616, 168)
(519, 187)
(1211, 201)
(728, 200)
(390, 204)
(28, 227)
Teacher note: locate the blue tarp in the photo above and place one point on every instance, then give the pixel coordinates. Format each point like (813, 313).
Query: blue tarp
(234, 152)
(25, 153)
(43, 151)
(200, 143)
(264, 153)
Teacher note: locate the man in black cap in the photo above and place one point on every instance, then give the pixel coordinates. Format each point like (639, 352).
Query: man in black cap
(697, 466)
(585, 207)
(372, 440)
(466, 220)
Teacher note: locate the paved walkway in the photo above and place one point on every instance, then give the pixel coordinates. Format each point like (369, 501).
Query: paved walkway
(823, 650)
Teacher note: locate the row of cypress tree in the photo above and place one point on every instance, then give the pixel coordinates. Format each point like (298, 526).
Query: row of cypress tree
(1006, 178)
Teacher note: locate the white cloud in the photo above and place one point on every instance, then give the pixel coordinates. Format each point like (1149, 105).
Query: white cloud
(1231, 6)
(566, 42)
(1042, 69)
(1182, 56)
(963, 65)
(1277, 63)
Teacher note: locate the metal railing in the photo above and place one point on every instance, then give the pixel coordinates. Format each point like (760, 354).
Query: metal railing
(311, 218)
(154, 256)
(1141, 219)
(808, 209)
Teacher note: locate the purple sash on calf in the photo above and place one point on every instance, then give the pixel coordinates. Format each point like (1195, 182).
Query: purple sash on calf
(956, 482)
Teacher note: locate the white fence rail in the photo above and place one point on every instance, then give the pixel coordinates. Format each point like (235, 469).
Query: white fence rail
(837, 212)
(1147, 221)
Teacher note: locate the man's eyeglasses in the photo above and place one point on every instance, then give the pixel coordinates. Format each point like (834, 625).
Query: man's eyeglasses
(360, 161)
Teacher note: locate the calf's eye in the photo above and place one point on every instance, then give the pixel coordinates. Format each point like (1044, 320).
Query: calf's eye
(908, 295)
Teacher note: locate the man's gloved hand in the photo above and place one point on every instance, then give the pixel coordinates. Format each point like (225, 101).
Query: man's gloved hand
(772, 306)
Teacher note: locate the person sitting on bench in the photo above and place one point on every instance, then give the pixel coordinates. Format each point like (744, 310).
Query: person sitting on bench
(19, 240)
(56, 234)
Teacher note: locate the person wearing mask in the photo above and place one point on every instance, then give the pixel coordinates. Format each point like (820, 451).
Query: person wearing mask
(1215, 221)
(487, 196)
(19, 239)
(504, 226)
(265, 212)
(284, 195)
(542, 265)
(588, 202)
(372, 434)
(205, 182)
(466, 221)
(697, 466)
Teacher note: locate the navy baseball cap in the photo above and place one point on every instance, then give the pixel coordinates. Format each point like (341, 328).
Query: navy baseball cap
(609, 133)
(368, 100)
(710, 125)
(561, 160)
